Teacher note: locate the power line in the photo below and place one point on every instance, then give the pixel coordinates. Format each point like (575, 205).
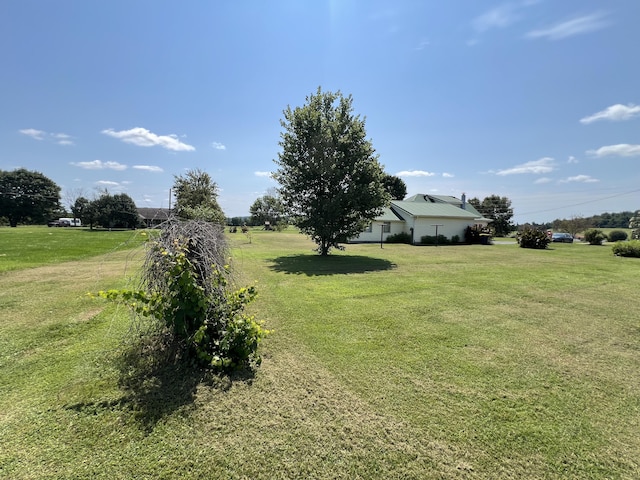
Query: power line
(580, 203)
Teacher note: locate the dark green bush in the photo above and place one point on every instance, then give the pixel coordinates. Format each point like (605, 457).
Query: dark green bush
(636, 234)
(533, 238)
(617, 236)
(401, 237)
(433, 240)
(455, 239)
(477, 234)
(594, 236)
(627, 249)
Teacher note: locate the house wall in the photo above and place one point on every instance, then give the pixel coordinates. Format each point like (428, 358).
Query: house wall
(374, 235)
(447, 227)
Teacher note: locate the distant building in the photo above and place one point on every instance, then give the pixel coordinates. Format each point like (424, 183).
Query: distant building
(153, 216)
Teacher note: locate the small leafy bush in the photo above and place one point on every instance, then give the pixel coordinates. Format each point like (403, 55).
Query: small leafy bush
(627, 249)
(533, 238)
(594, 236)
(433, 240)
(402, 237)
(617, 236)
(455, 239)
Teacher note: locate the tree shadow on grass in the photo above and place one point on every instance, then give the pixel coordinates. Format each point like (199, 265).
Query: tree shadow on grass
(312, 265)
(157, 380)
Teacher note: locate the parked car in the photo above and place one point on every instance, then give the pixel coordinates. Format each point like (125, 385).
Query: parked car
(562, 237)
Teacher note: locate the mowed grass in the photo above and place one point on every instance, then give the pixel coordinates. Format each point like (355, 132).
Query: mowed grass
(31, 246)
(400, 362)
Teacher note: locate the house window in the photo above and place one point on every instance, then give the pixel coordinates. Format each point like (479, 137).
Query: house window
(386, 227)
(368, 228)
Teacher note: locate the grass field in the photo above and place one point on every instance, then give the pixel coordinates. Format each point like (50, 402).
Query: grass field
(400, 362)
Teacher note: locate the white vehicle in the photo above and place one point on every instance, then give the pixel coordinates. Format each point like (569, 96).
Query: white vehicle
(71, 222)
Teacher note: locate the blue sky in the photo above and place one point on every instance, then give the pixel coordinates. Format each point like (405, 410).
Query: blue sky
(537, 101)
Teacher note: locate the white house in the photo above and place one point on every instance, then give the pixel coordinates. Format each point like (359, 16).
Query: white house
(424, 215)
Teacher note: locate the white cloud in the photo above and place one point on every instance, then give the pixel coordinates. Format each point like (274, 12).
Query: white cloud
(33, 133)
(572, 159)
(262, 174)
(580, 179)
(569, 28)
(448, 175)
(144, 138)
(422, 45)
(498, 17)
(542, 180)
(99, 165)
(59, 138)
(107, 183)
(621, 150)
(414, 173)
(148, 168)
(218, 146)
(537, 167)
(614, 113)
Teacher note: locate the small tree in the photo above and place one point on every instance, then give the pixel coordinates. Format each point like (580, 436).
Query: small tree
(331, 183)
(197, 197)
(186, 288)
(112, 211)
(28, 196)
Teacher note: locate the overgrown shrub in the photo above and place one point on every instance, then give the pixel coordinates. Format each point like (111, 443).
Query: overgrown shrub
(533, 238)
(635, 235)
(186, 286)
(627, 249)
(617, 236)
(594, 236)
(433, 240)
(402, 237)
(455, 239)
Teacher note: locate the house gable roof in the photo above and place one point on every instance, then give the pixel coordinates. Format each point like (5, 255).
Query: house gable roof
(439, 209)
(388, 215)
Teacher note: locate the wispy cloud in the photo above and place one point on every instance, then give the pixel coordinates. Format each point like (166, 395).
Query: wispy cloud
(100, 165)
(144, 138)
(148, 168)
(543, 180)
(218, 146)
(572, 159)
(59, 138)
(580, 179)
(107, 183)
(536, 167)
(614, 113)
(620, 150)
(448, 175)
(414, 173)
(498, 17)
(575, 26)
(262, 174)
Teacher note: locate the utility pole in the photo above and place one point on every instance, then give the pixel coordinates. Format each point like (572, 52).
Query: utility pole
(437, 225)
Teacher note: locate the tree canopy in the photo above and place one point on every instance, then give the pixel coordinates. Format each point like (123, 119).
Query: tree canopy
(197, 197)
(108, 211)
(395, 186)
(28, 196)
(499, 210)
(331, 182)
(267, 208)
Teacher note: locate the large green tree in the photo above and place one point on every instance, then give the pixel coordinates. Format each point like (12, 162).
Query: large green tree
(111, 211)
(499, 210)
(395, 186)
(331, 182)
(28, 196)
(267, 208)
(197, 197)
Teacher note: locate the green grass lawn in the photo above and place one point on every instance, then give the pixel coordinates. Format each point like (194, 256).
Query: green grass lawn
(24, 247)
(400, 362)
